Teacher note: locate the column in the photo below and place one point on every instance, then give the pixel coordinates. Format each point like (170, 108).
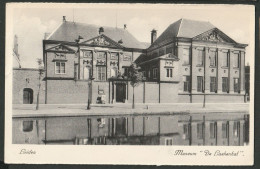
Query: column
(193, 69)
(207, 70)
(207, 133)
(242, 70)
(219, 65)
(241, 134)
(219, 133)
(231, 71)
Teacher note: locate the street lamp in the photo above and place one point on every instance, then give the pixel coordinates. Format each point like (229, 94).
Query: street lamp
(77, 42)
(90, 92)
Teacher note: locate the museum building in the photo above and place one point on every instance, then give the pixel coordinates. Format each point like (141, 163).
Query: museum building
(190, 61)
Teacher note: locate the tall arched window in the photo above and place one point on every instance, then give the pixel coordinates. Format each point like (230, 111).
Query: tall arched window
(114, 72)
(27, 96)
(86, 72)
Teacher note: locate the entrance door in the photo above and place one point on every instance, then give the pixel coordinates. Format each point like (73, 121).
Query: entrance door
(27, 96)
(120, 92)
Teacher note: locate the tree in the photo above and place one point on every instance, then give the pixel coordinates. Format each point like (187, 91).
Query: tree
(41, 71)
(135, 78)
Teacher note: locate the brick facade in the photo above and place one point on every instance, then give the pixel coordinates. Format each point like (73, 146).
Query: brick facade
(27, 79)
(181, 67)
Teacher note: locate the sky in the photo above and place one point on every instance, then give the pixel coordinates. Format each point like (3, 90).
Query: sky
(30, 21)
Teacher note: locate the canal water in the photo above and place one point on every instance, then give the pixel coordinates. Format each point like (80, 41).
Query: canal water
(158, 129)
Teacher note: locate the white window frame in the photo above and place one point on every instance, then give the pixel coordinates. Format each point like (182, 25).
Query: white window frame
(101, 67)
(55, 67)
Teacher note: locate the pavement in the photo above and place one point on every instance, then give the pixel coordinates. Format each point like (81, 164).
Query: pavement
(50, 110)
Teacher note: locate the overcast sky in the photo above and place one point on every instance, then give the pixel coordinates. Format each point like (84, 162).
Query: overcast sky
(30, 22)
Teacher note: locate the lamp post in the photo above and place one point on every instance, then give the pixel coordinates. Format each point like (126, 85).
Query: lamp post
(77, 42)
(90, 92)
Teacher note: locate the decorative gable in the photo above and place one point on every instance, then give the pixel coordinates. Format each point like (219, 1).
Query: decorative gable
(102, 40)
(60, 49)
(214, 35)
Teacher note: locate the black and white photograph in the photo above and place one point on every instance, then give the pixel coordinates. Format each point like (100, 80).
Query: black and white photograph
(164, 83)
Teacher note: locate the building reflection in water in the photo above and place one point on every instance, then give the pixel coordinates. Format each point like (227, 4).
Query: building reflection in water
(197, 129)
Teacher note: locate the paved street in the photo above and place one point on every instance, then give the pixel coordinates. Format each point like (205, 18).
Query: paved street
(124, 109)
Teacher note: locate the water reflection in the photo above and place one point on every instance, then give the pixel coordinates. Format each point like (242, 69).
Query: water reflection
(197, 129)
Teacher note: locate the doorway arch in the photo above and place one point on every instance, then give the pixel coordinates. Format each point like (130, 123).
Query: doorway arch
(27, 96)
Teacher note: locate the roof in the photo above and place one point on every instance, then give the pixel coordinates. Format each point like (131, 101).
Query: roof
(185, 28)
(69, 31)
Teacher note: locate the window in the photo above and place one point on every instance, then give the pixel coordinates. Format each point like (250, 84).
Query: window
(236, 128)
(236, 85)
(224, 130)
(213, 84)
(101, 73)
(114, 72)
(186, 80)
(161, 52)
(225, 59)
(213, 128)
(236, 60)
(60, 67)
(200, 57)
(224, 84)
(168, 49)
(199, 83)
(186, 56)
(168, 141)
(86, 72)
(186, 131)
(199, 130)
(27, 126)
(213, 58)
(155, 73)
(87, 54)
(169, 72)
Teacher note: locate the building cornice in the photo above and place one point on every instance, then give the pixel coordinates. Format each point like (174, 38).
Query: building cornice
(91, 45)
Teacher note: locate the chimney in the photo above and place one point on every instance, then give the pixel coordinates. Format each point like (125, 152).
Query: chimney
(64, 18)
(15, 44)
(101, 30)
(46, 35)
(125, 27)
(153, 35)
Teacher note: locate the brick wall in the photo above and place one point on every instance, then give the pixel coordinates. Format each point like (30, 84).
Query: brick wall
(27, 78)
(67, 91)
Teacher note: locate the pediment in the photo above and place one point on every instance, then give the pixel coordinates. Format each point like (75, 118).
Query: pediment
(214, 35)
(60, 48)
(102, 40)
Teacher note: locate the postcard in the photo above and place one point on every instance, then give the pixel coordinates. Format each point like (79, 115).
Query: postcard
(146, 84)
